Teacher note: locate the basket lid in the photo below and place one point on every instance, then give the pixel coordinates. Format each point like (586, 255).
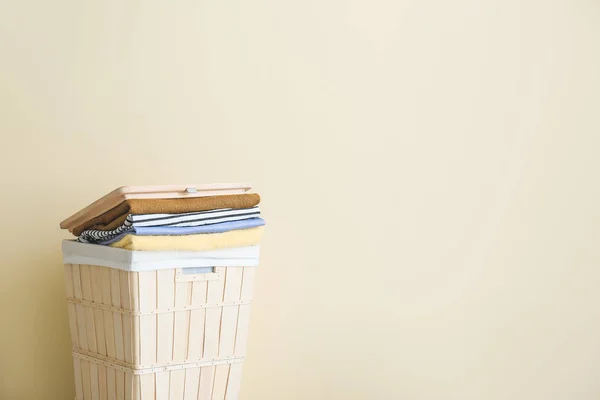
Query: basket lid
(123, 193)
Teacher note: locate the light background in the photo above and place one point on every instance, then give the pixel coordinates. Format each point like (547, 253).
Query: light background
(429, 173)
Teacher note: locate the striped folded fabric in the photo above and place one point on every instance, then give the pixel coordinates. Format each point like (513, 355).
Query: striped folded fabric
(188, 230)
(183, 220)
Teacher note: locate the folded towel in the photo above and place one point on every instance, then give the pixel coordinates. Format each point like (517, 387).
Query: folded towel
(172, 220)
(200, 242)
(115, 217)
(187, 230)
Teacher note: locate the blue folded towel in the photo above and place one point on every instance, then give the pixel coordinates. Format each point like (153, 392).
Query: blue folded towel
(188, 230)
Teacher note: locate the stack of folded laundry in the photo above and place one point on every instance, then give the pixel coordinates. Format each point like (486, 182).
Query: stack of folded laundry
(184, 224)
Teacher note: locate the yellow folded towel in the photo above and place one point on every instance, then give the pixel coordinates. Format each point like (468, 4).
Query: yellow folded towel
(199, 242)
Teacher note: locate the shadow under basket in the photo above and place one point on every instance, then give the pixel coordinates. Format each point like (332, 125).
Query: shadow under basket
(158, 325)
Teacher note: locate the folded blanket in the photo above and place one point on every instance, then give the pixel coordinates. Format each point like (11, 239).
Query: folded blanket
(115, 217)
(187, 230)
(200, 242)
(173, 220)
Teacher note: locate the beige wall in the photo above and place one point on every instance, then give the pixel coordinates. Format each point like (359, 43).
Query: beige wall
(429, 172)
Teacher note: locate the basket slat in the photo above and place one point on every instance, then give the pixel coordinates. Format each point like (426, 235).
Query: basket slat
(180, 338)
(229, 319)
(182, 321)
(147, 386)
(213, 316)
(234, 381)
(79, 313)
(78, 378)
(192, 379)
(120, 384)
(248, 283)
(86, 291)
(241, 337)
(176, 384)
(165, 300)
(134, 289)
(127, 319)
(162, 384)
(130, 387)
(195, 339)
(207, 377)
(137, 393)
(94, 381)
(86, 379)
(220, 384)
(102, 385)
(110, 383)
(147, 282)
(109, 336)
(71, 307)
(98, 315)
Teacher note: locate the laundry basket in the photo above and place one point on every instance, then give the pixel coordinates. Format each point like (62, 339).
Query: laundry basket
(158, 325)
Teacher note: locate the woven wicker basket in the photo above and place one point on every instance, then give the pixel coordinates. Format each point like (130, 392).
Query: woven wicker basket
(158, 325)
